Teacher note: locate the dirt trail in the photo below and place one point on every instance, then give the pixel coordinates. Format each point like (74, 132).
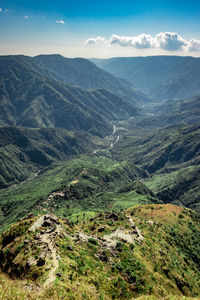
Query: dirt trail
(55, 260)
(47, 238)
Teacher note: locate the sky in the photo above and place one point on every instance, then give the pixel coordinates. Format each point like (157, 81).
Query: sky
(100, 28)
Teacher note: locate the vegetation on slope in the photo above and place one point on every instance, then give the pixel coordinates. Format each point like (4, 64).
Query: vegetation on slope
(24, 152)
(161, 77)
(146, 250)
(164, 149)
(83, 73)
(180, 187)
(171, 112)
(80, 185)
(171, 155)
(29, 99)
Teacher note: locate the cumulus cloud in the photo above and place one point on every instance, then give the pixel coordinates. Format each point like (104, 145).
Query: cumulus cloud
(141, 41)
(193, 45)
(168, 41)
(60, 21)
(95, 41)
(0, 9)
(26, 17)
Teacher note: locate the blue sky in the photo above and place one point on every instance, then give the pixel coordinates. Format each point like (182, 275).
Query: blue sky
(100, 28)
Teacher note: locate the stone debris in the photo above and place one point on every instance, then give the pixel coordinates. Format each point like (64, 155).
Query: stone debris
(54, 194)
(31, 262)
(113, 216)
(120, 234)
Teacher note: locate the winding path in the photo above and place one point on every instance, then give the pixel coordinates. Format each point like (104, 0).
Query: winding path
(55, 260)
(46, 238)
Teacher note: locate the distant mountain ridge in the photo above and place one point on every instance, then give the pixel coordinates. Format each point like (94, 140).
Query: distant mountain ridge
(30, 99)
(78, 72)
(160, 77)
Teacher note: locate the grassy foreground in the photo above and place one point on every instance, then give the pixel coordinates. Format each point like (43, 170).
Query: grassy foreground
(98, 259)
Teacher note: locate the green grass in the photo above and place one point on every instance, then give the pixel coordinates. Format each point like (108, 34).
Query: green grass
(90, 184)
(180, 187)
(121, 202)
(165, 265)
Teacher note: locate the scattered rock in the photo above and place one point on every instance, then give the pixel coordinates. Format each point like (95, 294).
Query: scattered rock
(37, 236)
(41, 262)
(113, 216)
(103, 256)
(101, 229)
(43, 254)
(50, 230)
(46, 224)
(69, 248)
(52, 219)
(92, 228)
(31, 262)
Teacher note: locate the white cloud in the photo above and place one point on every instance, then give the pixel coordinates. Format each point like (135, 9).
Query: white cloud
(95, 41)
(139, 42)
(60, 21)
(193, 45)
(26, 17)
(0, 9)
(168, 41)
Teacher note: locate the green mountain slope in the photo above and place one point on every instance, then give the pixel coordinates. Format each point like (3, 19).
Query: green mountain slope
(148, 251)
(163, 149)
(77, 72)
(83, 73)
(171, 112)
(172, 156)
(30, 100)
(161, 77)
(24, 151)
(186, 111)
(81, 185)
(180, 187)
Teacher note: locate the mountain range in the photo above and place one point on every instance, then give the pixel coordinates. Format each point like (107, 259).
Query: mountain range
(159, 77)
(29, 99)
(99, 178)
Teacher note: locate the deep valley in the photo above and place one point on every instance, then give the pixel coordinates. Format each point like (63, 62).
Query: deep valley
(99, 178)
